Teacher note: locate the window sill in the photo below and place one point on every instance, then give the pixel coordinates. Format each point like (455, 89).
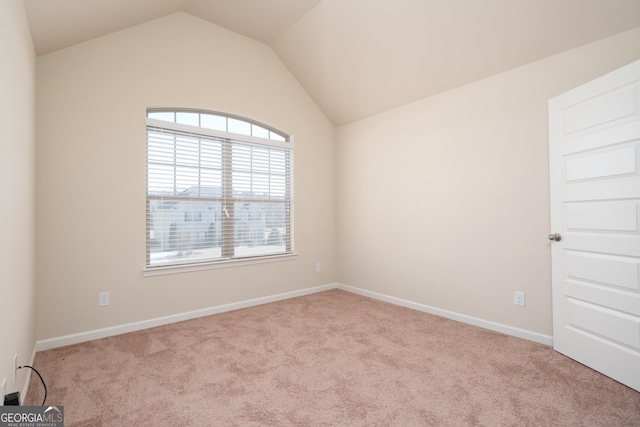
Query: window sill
(174, 269)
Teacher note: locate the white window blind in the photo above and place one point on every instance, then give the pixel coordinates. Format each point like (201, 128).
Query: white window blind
(218, 188)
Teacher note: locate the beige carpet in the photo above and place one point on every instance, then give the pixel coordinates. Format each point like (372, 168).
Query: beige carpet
(328, 359)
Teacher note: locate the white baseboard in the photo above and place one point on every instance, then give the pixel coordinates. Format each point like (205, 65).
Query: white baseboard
(493, 326)
(152, 323)
(62, 341)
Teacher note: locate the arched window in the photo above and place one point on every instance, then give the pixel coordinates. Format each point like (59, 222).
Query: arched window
(219, 189)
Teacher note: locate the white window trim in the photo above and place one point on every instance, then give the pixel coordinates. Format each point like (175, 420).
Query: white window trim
(187, 268)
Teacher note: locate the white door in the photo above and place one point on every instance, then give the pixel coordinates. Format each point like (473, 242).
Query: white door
(594, 153)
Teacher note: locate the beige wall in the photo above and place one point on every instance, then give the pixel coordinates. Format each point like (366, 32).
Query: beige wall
(17, 192)
(445, 202)
(91, 102)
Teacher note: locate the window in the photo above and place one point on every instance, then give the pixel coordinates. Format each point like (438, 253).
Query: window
(219, 188)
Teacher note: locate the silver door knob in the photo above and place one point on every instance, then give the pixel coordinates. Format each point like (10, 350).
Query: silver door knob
(557, 237)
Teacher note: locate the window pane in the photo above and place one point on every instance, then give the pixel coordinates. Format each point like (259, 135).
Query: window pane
(187, 151)
(277, 187)
(276, 137)
(186, 118)
(260, 229)
(211, 121)
(239, 126)
(241, 157)
(211, 156)
(210, 183)
(184, 231)
(259, 172)
(160, 179)
(241, 184)
(260, 159)
(259, 131)
(163, 115)
(186, 179)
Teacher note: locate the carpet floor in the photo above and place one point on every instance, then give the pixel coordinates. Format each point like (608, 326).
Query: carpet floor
(327, 359)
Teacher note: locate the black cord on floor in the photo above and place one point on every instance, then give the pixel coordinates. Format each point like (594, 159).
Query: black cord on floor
(43, 384)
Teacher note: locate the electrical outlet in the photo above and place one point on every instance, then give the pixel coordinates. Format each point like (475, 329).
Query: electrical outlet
(518, 298)
(318, 267)
(2, 389)
(103, 299)
(15, 367)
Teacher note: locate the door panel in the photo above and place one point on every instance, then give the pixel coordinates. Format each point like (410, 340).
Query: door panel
(594, 146)
(608, 107)
(601, 164)
(607, 270)
(603, 216)
(613, 326)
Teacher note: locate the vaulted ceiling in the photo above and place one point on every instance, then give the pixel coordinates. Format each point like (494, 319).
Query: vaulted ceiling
(358, 58)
